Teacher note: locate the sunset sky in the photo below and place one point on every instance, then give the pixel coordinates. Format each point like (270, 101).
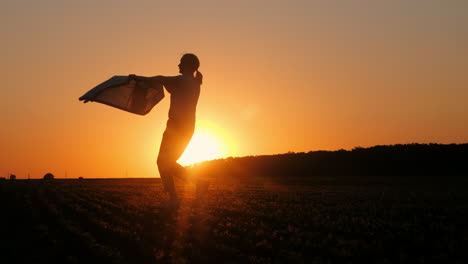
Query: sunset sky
(279, 76)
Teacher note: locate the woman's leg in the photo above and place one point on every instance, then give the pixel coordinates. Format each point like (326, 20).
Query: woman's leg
(172, 146)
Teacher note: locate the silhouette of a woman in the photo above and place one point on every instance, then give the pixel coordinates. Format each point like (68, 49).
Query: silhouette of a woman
(185, 91)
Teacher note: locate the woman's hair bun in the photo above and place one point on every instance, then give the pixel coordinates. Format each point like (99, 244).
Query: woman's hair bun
(199, 77)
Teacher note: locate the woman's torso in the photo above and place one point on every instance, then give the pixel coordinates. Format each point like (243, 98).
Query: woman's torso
(184, 99)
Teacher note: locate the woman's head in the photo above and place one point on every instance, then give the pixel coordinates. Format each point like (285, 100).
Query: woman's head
(189, 64)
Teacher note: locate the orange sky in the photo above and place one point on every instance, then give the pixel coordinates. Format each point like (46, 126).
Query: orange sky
(279, 76)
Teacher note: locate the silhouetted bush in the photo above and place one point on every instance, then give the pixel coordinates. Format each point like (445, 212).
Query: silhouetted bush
(48, 176)
(394, 160)
(12, 177)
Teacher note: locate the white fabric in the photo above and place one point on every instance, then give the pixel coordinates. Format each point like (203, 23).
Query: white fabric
(135, 97)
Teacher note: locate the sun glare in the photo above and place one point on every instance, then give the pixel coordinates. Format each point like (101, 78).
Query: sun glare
(207, 143)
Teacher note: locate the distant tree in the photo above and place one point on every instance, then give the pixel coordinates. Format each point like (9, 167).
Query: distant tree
(12, 177)
(80, 178)
(381, 160)
(48, 176)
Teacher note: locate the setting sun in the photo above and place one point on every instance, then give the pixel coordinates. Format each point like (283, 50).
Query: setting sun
(201, 147)
(208, 143)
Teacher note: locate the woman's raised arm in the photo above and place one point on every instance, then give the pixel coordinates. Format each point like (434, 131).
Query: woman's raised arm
(167, 81)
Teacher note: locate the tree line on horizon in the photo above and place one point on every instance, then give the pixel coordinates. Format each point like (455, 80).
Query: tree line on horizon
(381, 160)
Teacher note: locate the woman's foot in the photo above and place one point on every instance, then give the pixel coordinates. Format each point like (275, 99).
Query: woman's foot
(171, 203)
(201, 189)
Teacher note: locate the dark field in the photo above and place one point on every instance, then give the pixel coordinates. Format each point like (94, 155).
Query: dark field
(323, 220)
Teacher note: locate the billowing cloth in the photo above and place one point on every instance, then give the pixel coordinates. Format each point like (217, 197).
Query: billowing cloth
(137, 97)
